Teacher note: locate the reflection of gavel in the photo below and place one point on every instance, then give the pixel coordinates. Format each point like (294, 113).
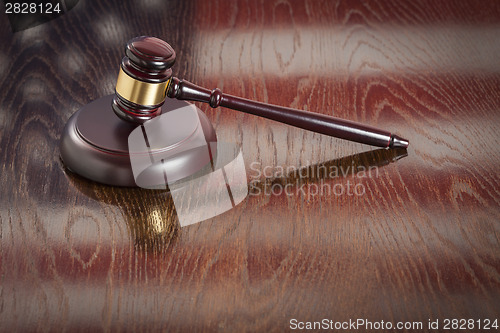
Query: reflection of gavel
(145, 80)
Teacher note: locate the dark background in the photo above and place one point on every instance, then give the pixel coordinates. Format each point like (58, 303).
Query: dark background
(422, 243)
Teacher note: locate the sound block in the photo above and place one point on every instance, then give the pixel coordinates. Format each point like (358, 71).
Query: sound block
(95, 144)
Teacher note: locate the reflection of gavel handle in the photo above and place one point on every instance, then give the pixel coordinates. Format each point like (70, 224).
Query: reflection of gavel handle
(340, 128)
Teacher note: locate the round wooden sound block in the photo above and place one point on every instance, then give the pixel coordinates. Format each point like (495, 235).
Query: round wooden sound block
(98, 145)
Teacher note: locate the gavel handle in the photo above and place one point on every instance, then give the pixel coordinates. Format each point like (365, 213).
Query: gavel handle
(339, 128)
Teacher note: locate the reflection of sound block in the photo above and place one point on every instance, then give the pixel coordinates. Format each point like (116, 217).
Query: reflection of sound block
(95, 143)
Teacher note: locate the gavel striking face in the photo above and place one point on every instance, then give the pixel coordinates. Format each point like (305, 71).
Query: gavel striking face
(145, 80)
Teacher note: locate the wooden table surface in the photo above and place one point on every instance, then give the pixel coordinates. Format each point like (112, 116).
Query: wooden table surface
(419, 241)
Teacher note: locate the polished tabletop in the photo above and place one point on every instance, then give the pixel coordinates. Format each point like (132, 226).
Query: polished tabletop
(330, 229)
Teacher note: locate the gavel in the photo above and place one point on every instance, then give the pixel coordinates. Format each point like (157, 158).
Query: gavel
(145, 80)
(100, 144)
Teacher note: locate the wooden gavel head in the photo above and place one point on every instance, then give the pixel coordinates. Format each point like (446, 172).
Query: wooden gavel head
(143, 79)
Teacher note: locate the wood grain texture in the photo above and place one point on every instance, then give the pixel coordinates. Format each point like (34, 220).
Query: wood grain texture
(422, 241)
